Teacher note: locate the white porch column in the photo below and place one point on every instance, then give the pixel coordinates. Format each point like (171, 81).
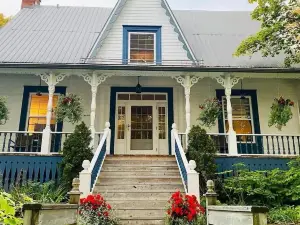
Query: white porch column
(94, 80)
(228, 81)
(50, 79)
(187, 82)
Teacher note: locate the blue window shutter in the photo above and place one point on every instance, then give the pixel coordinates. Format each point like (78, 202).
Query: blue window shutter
(147, 29)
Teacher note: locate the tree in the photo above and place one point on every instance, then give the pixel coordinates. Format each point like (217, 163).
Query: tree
(279, 33)
(3, 20)
(76, 149)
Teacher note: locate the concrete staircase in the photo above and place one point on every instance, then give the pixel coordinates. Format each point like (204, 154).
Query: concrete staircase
(138, 187)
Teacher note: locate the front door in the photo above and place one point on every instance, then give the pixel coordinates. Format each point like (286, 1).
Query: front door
(141, 126)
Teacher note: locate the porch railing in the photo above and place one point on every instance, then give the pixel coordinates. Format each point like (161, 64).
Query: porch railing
(20, 141)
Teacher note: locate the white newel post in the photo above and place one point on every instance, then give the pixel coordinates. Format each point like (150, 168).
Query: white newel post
(94, 80)
(187, 82)
(228, 82)
(85, 177)
(50, 79)
(193, 180)
(174, 132)
(108, 139)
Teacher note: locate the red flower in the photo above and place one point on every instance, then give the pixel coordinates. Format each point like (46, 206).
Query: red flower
(106, 214)
(292, 103)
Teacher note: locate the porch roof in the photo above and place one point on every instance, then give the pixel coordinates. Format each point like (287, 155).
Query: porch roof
(47, 35)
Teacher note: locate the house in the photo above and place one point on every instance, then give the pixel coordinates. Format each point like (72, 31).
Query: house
(179, 58)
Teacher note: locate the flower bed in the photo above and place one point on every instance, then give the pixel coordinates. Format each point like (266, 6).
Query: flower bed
(185, 209)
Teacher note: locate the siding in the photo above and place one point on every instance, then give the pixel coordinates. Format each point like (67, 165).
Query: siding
(146, 12)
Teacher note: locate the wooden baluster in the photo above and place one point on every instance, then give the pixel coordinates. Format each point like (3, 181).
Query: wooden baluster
(268, 147)
(278, 144)
(251, 143)
(294, 147)
(288, 142)
(283, 148)
(4, 142)
(298, 145)
(273, 147)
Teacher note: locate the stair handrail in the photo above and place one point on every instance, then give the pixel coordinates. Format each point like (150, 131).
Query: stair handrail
(190, 178)
(91, 170)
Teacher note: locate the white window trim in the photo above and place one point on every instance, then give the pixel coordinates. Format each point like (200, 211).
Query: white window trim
(251, 114)
(154, 55)
(28, 109)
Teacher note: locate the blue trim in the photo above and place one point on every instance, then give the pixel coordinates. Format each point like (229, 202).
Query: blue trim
(98, 164)
(148, 29)
(112, 114)
(25, 102)
(243, 148)
(181, 164)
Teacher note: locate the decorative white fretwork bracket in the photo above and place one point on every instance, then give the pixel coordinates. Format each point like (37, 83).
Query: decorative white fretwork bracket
(52, 79)
(187, 82)
(95, 79)
(227, 81)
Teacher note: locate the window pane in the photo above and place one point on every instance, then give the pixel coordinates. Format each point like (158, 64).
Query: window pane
(141, 48)
(123, 96)
(121, 122)
(160, 97)
(161, 123)
(148, 97)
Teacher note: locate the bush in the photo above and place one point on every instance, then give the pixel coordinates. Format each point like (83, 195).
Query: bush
(284, 215)
(76, 149)
(185, 209)
(202, 149)
(272, 188)
(94, 210)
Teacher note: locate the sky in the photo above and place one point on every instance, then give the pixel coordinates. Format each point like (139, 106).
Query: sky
(11, 7)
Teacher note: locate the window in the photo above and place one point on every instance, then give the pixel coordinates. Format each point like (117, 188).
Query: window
(241, 116)
(121, 122)
(143, 97)
(38, 112)
(142, 44)
(141, 48)
(162, 122)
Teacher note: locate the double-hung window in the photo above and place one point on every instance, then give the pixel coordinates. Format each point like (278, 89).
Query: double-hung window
(242, 116)
(141, 44)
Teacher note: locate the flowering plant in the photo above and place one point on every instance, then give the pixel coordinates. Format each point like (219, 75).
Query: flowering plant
(210, 111)
(3, 111)
(185, 209)
(94, 210)
(69, 108)
(281, 112)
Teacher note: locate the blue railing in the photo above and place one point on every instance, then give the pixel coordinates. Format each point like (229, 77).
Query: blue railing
(18, 169)
(182, 168)
(98, 164)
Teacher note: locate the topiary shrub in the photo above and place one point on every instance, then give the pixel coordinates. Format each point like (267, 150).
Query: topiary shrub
(202, 149)
(76, 149)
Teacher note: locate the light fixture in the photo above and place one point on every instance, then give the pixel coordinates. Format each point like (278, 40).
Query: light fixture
(242, 92)
(38, 90)
(138, 87)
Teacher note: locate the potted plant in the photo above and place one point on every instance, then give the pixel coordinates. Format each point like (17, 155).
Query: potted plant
(3, 111)
(95, 210)
(210, 111)
(185, 209)
(281, 112)
(69, 108)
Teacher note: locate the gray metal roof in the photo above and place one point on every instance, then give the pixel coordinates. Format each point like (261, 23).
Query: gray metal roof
(49, 34)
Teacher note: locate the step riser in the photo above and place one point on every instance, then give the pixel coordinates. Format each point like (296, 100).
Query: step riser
(140, 162)
(136, 196)
(117, 204)
(132, 168)
(134, 181)
(141, 157)
(142, 222)
(138, 173)
(140, 187)
(136, 213)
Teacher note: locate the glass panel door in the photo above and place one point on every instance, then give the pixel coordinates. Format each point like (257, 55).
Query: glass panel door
(141, 128)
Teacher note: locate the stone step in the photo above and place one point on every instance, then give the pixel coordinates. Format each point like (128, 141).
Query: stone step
(137, 187)
(140, 162)
(142, 221)
(141, 195)
(138, 213)
(138, 204)
(126, 173)
(140, 157)
(112, 167)
(139, 180)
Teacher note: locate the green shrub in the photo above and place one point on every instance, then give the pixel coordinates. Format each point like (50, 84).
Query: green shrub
(284, 215)
(272, 188)
(76, 149)
(201, 148)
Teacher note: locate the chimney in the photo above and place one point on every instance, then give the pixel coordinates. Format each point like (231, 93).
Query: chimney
(29, 3)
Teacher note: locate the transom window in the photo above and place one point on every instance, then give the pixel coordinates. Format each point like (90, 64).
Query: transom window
(141, 47)
(142, 97)
(242, 116)
(38, 112)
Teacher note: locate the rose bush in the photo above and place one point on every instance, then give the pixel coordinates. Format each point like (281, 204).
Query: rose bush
(185, 209)
(281, 112)
(94, 210)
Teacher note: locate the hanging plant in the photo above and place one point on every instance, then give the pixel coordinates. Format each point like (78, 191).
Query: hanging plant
(3, 111)
(69, 108)
(210, 111)
(281, 112)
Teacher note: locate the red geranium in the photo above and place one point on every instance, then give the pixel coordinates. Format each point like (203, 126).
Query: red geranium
(184, 207)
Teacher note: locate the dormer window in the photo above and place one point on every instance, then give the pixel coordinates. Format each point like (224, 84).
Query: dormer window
(141, 45)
